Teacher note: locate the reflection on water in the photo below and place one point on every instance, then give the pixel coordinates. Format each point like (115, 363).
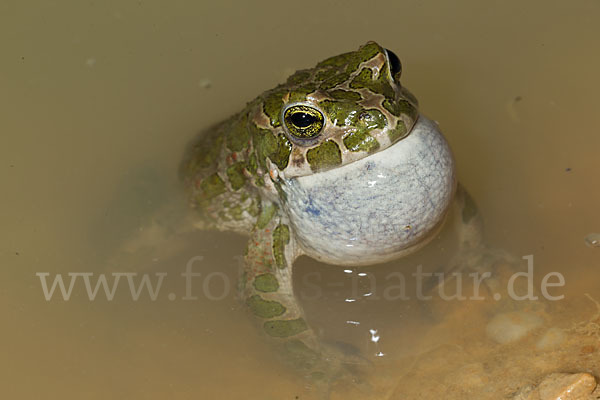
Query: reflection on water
(99, 102)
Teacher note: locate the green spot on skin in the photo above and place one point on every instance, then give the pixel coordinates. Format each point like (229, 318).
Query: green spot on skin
(398, 132)
(281, 237)
(341, 112)
(409, 96)
(235, 173)
(268, 145)
(266, 214)
(352, 59)
(372, 119)
(334, 81)
(211, 187)
(360, 140)
(266, 283)
(252, 164)
(253, 209)
(281, 156)
(324, 156)
(380, 85)
(365, 53)
(298, 77)
(340, 94)
(265, 308)
(325, 74)
(273, 104)
(363, 80)
(300, 93)
(205, 153)
(285, 328)
(401, 107)
(237, 135)
(259, 181)
(392, 107)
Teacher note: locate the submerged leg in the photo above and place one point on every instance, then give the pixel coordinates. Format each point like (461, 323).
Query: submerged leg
(473, 254)
(473, 250)
(470, 226)
(267, 289)
(267, 282)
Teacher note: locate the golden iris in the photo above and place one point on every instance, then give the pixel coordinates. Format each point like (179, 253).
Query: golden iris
(303, 122)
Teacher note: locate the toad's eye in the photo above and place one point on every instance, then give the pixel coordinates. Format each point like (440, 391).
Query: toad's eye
(303, 122)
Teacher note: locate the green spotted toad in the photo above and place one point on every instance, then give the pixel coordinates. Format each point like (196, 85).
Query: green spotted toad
(337, 164)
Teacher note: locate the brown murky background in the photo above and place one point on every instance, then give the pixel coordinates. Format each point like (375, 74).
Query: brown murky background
(99, 98)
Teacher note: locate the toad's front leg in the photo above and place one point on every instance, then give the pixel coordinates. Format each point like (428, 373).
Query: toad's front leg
(268, 291)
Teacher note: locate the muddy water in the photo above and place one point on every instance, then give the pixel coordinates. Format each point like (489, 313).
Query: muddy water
(100, 98)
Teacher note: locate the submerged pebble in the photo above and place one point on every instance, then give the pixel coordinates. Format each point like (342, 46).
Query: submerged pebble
(593, 240)
(559, 386)
(511, 326)
(552, 338)
(567, 387)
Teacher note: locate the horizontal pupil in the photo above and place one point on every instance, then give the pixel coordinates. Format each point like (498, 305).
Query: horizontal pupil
(302, 120)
